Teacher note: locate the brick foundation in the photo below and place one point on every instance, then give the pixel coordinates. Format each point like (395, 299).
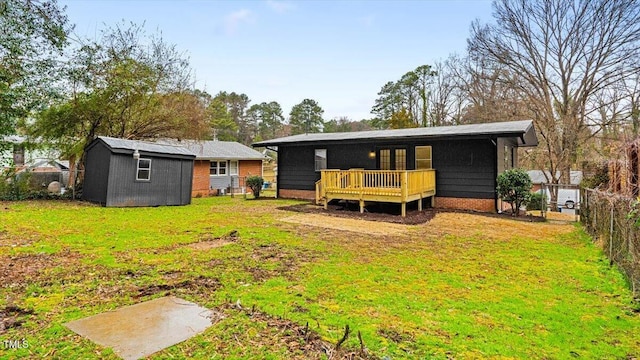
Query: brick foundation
(482, 205)
(298, 194)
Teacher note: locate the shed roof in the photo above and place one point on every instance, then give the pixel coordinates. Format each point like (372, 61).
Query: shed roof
(218, 150)
(522, 129)
(129, 146)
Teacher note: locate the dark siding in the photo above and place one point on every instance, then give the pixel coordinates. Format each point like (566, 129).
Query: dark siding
(96, 174)
(186, 181)
(296, 164)
(465, 169)
(296, 168)
(166, 186)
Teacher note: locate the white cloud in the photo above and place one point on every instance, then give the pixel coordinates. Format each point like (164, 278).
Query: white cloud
(233, 20)
(280, 6)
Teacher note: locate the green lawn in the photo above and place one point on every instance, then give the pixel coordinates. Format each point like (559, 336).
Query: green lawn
(462, 286)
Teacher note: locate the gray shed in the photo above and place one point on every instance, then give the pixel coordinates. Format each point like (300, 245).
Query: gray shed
(121, 172)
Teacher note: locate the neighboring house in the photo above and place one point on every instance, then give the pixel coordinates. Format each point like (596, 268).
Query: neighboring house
(121, 172)
(44, 171)
(538, 178)
(455, 166)
(567, 195)
(15, 150)
(221, 166)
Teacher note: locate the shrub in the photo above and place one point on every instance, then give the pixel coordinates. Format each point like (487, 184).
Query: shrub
(13, 185)
(255, 184)
(537, 201)
(514, 187)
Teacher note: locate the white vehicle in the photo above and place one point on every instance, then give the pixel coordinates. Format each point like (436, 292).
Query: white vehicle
(568, 198)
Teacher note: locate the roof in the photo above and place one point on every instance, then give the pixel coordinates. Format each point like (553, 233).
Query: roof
(537, 176)
(14, 139)
(130, 146)
(218, 150)
(522, 129)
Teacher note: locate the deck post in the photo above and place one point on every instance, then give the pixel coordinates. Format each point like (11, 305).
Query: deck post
(420, 203)
(404, 209)
(361, 206)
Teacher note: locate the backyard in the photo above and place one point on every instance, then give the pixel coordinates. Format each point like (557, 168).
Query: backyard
(287, 283)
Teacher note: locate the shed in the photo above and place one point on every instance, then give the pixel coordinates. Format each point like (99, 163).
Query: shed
(454, 166)
(120, 172)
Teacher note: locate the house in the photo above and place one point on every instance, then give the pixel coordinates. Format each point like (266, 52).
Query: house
(538, 178)
(221, 166)
(453, 166)
(121, 172)
(19, 151)
(566, 195)
(45, 171)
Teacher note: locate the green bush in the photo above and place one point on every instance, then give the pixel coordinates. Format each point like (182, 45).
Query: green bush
(16, 186)
(537, 201)
(514, 187)
(255, 184)
(13, 185)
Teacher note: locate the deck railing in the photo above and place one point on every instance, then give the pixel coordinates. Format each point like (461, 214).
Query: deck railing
(399, 186)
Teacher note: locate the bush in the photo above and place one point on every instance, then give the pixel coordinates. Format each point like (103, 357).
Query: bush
(255, 184)
(13, 185)
(514, 187)
(537, 201)
(18, 186)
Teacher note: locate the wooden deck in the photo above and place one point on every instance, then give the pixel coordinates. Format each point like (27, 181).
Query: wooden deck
(396, 186)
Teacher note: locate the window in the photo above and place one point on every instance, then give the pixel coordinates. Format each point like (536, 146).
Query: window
(321, 159)
(233, 168)
(401, 159)
(218, 168)
(509, 158)
(385, 159)
(423, 157)
(143, 170)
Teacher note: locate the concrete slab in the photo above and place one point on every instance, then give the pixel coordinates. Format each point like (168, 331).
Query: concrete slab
(140, 330)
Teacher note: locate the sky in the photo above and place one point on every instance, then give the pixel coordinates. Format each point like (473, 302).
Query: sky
(338, 53)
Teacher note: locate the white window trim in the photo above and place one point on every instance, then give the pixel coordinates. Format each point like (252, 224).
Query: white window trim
(226, 168)
(138, 170)
(315, 162)
(231, 167)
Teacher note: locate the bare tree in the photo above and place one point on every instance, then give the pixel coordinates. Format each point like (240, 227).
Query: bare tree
(565, 52)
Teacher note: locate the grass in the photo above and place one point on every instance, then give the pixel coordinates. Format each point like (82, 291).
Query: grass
(462, 286)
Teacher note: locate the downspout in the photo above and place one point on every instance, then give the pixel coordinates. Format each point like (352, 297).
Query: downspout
(275, 149)
(495, 173)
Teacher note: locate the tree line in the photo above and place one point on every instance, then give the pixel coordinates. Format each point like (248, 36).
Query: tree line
(570, 66)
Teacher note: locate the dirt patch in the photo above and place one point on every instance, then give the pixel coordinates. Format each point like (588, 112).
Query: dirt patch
(346, 224)
(379, 212)
(20, 270)
(12, 317)
(197, 284)
(302, 339)
(207, 242)
(271, 260)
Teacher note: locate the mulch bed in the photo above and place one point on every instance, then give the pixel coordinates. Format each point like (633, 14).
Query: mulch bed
(391, 213)
(376, 212)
